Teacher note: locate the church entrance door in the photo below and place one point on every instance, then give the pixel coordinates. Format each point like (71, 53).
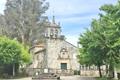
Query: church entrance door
(64, 66)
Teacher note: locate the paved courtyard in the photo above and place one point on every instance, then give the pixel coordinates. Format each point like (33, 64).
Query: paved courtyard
(76, 78)
(62, 78)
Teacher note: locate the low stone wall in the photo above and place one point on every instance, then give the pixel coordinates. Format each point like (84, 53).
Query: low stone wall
(62, 72)
(93, 73)
(33, 71)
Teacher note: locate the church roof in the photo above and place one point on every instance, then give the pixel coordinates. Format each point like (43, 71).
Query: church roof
(41, 46)
(70, 44)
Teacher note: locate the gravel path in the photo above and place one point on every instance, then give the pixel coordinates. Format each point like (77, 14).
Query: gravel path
(76, 78)
(62, 78)
(29, 78)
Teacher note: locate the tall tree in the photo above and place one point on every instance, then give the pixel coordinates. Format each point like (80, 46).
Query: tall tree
(104, 42)
(24, 20)
(111, 18)
(92, 51)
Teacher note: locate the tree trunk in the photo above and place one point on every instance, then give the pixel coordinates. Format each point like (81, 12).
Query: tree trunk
(107, 70)
(111, 72)
(23, 40)
(16, 68)
(100, 73)
(13, 69)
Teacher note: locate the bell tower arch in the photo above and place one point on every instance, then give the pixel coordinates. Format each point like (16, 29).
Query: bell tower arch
(53, 30)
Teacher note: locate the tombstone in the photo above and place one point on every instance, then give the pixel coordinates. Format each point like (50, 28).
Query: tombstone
(45, 70)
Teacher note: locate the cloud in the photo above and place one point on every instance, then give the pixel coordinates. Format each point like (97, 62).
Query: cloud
(78, 19)
(72, 39)
(65, 7)
(75, 11)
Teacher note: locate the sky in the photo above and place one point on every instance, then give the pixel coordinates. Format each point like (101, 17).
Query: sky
(74, 15)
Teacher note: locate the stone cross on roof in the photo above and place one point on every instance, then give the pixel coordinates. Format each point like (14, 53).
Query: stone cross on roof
(53, 20)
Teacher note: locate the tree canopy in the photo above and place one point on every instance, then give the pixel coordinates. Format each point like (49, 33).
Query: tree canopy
(12, 51)
(101, 43)
(24, 20)
(12, 55)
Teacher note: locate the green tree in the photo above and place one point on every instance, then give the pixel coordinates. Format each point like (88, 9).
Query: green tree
(92, 51)
(111, 18)
(101, 43)
(24, 20)
(12, 53)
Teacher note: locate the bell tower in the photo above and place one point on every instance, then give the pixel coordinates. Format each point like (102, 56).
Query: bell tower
(53, 30)
(52, 36)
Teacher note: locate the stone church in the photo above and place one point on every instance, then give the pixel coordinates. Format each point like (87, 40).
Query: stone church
(56, 55)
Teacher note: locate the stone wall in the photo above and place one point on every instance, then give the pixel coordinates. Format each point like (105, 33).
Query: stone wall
(93, 73)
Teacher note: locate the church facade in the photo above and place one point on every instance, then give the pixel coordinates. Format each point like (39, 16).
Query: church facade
(56, 55)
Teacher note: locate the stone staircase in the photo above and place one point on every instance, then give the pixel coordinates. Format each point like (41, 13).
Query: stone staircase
(46, 76)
